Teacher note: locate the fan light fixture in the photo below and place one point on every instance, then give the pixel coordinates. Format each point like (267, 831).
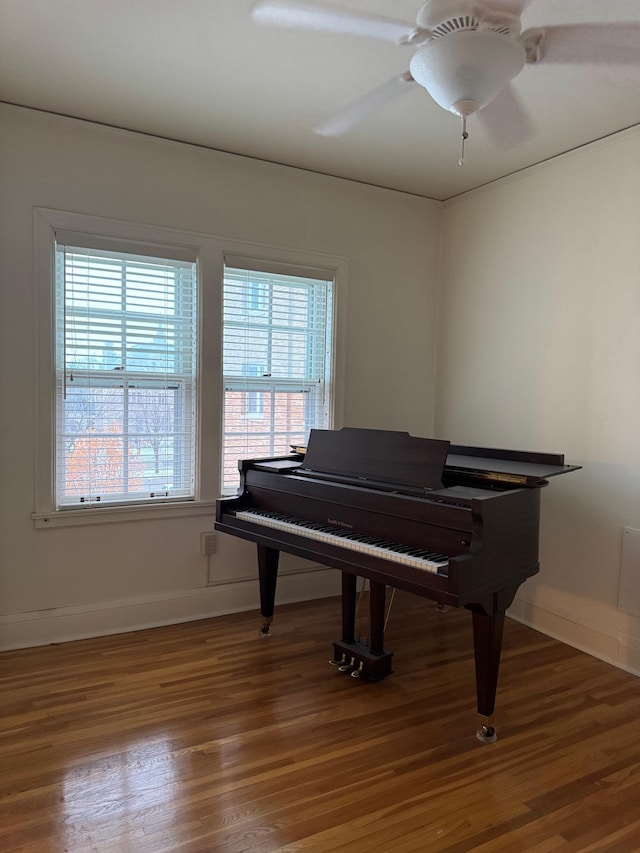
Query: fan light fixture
(464, 71)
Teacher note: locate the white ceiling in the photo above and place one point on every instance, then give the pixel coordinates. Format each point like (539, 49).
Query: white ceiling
(200, 71)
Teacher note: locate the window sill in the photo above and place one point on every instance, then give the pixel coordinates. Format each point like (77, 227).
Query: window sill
(106, 515)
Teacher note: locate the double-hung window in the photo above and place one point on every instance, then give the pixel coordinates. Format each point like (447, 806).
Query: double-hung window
(277, 360)
(163, 359)
(125, 359)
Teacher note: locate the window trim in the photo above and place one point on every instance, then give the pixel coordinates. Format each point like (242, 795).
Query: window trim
(95, 514)
(211, 252)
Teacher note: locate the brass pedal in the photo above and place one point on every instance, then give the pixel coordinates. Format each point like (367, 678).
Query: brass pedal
(356, 672)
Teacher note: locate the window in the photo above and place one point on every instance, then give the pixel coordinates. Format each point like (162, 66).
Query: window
(277, 361)
(130, 320)
(125, 353)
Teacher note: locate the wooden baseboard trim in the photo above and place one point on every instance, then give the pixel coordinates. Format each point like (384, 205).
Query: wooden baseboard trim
(600, 641)
(60, 625)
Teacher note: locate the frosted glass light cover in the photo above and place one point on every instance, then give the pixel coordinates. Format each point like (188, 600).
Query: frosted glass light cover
(472, 65)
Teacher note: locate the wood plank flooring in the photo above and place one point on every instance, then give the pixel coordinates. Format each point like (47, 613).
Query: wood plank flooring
(205, 738)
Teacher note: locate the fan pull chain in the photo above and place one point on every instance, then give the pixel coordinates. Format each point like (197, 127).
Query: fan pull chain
(465, 136)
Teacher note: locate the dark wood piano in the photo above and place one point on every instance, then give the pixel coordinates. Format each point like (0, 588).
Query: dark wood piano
(455, 524)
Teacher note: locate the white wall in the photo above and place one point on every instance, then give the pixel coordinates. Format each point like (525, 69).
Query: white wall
(60, 583)
(540, 350)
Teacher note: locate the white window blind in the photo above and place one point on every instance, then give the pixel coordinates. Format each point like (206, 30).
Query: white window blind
(277, 361)
(125, 377)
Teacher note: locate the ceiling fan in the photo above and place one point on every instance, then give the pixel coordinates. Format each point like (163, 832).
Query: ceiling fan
(465, 54)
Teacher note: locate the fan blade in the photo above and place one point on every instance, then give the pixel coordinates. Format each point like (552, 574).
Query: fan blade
(506, 120)
(292, 15)
(362, 108)
(615, 43)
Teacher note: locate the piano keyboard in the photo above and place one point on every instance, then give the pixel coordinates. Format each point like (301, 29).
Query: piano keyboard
(406, 555)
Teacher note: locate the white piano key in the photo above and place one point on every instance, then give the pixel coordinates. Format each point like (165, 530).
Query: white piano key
(434, 563)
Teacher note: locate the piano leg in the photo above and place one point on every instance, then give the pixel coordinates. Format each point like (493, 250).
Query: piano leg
(351, 655)
(268, 575)
(487, 641)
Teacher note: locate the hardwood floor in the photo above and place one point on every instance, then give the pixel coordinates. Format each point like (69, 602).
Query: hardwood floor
(203, 737)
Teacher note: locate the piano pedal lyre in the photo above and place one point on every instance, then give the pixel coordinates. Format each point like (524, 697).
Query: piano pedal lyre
(338, 661)
(487, 733)
(358, 659)
(356, 672)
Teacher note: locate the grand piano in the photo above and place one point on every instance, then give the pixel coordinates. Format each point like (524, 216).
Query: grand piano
(455, 524)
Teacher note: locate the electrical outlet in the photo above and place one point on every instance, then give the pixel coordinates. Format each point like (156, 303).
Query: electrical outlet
(207, 543)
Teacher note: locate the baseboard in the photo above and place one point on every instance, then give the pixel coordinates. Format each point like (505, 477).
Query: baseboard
(594, 638)
(59, 625)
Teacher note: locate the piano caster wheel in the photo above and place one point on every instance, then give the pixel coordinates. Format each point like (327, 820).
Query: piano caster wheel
(441, 608)
(347, 666)
(356, 672)
(265, 631)
(486, 734)
(338, 662)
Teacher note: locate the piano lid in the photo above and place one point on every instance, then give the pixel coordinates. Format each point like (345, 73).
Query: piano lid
(388, 458)
(516, 467)
(376, 456)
